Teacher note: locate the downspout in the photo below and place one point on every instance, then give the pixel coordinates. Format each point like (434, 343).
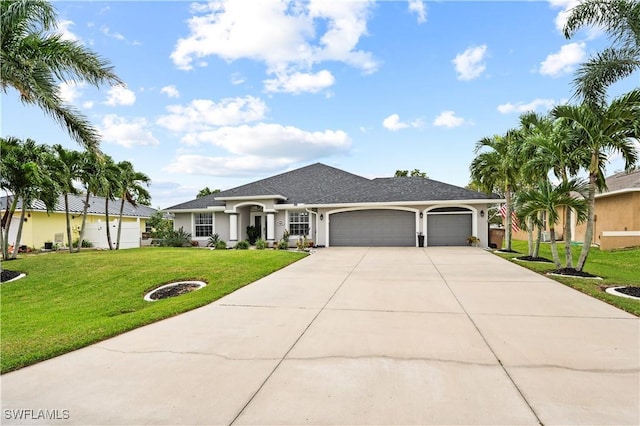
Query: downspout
(315, 228)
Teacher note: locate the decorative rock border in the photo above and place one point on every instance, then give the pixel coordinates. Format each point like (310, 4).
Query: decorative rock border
(615, 292)
(148, 298)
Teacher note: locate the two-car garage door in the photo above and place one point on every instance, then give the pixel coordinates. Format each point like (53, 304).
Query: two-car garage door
(397, 228)
(373, 228)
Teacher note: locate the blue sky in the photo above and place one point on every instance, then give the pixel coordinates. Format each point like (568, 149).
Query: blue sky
(223, 93)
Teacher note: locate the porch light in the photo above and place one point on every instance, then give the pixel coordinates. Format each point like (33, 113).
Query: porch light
(321, 216)
(421, 215)
(481, 213)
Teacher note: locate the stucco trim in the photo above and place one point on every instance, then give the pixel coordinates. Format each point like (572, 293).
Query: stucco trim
(621, 233)
(618, 192)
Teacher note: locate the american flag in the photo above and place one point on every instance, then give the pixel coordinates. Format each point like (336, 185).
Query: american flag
(514, 219)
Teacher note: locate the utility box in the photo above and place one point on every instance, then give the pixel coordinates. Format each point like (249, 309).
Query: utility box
(496, 237)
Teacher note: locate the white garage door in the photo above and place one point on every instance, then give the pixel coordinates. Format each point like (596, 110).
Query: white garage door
(373, 228)
(451, 229)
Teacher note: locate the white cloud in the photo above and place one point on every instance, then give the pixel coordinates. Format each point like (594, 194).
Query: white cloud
(565, 5)
(420, 9)
(470, 63)
(126, 133)
(171, 91)
(564, 61)
(87, 104)
(224, 166)
(236, 79)
(203, 114)
(120, 95)
(448, 119)
(106, 31)
(520, 107)
(393, 123)
(300, 82)
(231, 31)
(65, 31)
(273, 141)
(71, 91)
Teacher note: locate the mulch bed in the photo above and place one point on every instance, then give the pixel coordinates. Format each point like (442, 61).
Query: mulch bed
(174, 290)
(507, 251)
(7, 275)
(629, 291)
(573, 273)
(534, 259)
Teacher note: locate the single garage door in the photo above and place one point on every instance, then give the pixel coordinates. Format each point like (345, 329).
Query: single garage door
(448, 229)
(371, 228)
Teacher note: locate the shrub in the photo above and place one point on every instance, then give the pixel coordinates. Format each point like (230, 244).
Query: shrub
(283, 244)
(301, 244)
(179, 238)
(85, 244)
(221, 245)
(242, 245)
(261, 244)
(213, 240)
(253, 234)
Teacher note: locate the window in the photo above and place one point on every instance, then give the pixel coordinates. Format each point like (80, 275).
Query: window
(203, 224)
(299, 223)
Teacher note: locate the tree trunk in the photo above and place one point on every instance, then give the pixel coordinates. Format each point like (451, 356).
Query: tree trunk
(554, 248)
(120, 224)
(508, 218)
(530, 236)
(7, 225)
(106, 214)
(568, 253)
(588, 235)
(536, 250)
(84, 220)
(66, 213)
(16, 245)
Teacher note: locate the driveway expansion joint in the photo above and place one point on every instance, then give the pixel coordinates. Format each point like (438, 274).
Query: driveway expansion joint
(393, 358)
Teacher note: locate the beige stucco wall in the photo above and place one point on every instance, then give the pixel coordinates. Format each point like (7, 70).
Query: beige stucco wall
(620, 212)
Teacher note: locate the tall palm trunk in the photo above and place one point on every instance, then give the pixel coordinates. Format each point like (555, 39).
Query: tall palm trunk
(588, 235)
(554, 247)
(106, 214)
(568, 236)
(530, 236)
(536, 250)
(508, 218)
(84, 220)
(66, 213)
(6, 225)
(16, 245)
(120, 223)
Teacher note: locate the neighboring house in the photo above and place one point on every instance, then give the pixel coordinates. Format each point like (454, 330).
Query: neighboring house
(40, 227)
(617, 214)
(332, 207)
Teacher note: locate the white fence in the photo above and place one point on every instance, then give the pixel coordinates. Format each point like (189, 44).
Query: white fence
(96, 233)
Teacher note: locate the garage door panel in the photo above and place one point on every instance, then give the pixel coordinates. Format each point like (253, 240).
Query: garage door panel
(448, 229)
(373, 228)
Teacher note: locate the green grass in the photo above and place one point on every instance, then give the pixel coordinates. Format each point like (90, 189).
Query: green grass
(617, 268)
(69, 301)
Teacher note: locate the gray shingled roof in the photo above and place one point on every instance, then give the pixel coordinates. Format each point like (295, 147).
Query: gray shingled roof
(398, 189)
(623, 180)
(96, 206)
(322, 184)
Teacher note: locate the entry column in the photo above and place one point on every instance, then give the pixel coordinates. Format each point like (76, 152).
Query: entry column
(233, 227)
(271, 222)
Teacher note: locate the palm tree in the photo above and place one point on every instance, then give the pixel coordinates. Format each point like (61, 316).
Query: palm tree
(131, 190)
(497, 170)
(66, 171)
(548, 199)
(89, 175)
(621, 20)
(555, 148)
(108, 186)
(603, 130)
(26, 173)
(33, 61)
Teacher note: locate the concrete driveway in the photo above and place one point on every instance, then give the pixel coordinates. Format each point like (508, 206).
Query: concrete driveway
(358, 336)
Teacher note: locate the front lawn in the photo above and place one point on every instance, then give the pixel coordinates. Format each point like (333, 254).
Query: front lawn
(617, 268)
(69, 301)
